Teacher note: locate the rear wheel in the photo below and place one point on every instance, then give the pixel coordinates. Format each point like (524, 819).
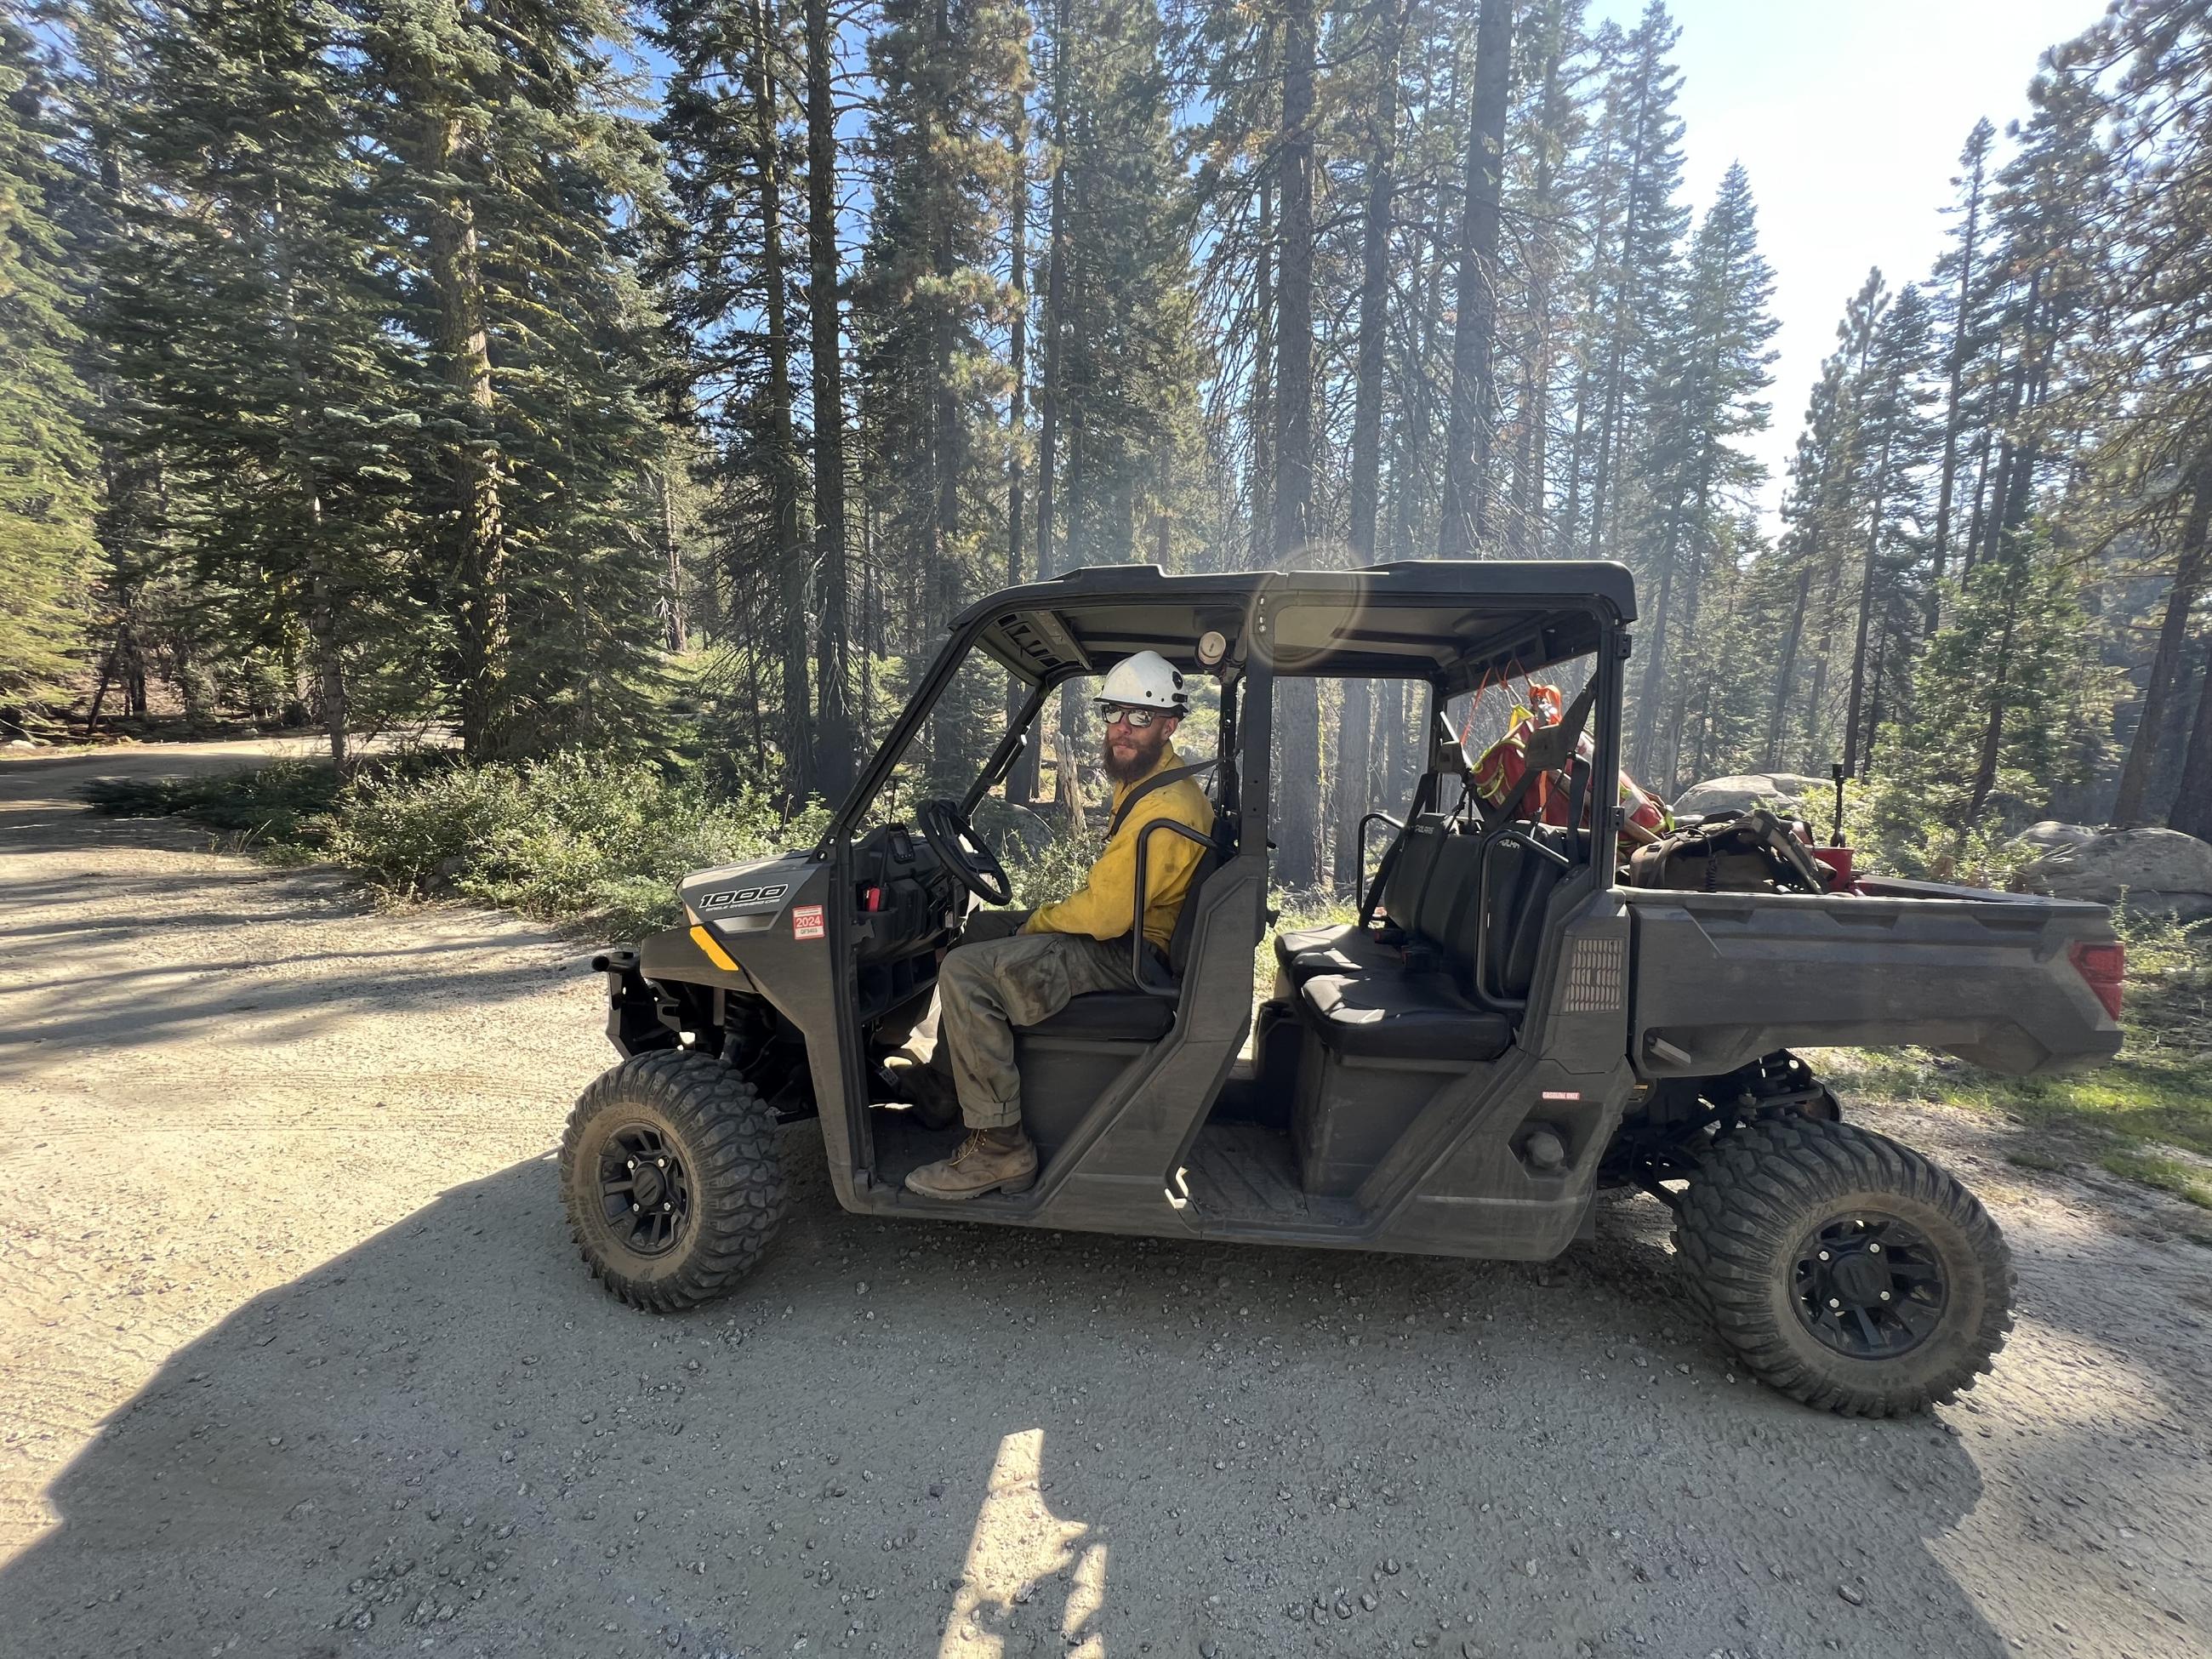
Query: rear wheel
(672, 1179)
(1844, 1270)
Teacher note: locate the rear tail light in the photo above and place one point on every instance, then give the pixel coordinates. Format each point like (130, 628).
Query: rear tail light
(2103, 968)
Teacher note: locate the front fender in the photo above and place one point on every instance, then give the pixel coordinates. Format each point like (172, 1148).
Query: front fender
(674, 956)
(660, 988)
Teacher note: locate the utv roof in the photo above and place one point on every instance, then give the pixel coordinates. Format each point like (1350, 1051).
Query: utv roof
(1454, 620)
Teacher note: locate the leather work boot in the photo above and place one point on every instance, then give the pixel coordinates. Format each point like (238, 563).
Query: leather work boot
(989, 1160)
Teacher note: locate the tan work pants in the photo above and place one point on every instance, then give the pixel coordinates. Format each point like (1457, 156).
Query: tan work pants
(997, 978)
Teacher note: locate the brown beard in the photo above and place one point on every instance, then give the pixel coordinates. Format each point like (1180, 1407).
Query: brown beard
(1149, 743)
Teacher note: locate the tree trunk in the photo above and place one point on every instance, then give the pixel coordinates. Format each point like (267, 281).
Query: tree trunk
(2192, 812)
(675, 626)
(1993, 747)
(1525, 534)
(1296, 819)
(1473, 418)
(1611, 442)
(2172, 641)
(1021, 780)
(462, 351)
(783, 481)
(1653, 647)
(1855, 704)
(1785, 668)
(1261, 414)
(837, 740)
(1354, 787)
(321, 611)
(1056, 299)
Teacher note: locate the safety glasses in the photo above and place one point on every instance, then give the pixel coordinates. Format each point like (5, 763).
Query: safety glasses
(1135, 719)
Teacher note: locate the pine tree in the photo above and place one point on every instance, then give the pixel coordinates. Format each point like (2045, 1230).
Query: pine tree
(1472, 420)
(248, 320)
(1961, 280)
(1296, 822)
(2012, 646)
(730, 278)
(1353, 775)
(1541, 186)
(1713, 368)
(949, 78)
(512, 177)
(837, 736)
(1895, 443)
(1635, 277)
(1128, 371)
(48, 465)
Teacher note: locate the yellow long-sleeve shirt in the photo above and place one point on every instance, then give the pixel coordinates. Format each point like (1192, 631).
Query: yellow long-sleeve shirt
(1106, 905)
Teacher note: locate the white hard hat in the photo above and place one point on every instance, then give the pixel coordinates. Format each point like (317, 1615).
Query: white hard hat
(1148, 680)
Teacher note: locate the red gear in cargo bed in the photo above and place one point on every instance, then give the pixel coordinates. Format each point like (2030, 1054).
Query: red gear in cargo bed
(1498, 772)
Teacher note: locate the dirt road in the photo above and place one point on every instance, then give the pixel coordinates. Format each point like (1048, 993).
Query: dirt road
(295, 1359)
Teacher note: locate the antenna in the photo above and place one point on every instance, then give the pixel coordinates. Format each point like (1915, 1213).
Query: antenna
(1836, 771)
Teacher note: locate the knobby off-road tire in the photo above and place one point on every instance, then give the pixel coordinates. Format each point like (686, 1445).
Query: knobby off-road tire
(708, 1147)
(1771, 1196)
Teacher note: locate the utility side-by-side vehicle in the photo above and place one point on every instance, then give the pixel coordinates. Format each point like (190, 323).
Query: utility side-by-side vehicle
(1507, 1029)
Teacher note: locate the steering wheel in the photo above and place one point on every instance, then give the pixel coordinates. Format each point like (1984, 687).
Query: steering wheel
(963, 851)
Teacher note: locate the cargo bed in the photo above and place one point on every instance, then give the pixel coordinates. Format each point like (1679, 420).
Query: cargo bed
(1722, 978)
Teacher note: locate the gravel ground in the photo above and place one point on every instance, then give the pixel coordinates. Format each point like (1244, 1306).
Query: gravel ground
(295, 1359)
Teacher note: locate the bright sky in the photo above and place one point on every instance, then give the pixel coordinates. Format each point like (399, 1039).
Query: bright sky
(1849, 115)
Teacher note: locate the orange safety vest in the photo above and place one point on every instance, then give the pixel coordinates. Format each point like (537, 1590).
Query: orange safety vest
(1498, 774)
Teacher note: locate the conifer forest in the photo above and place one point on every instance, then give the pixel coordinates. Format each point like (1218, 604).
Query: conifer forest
(659, 380)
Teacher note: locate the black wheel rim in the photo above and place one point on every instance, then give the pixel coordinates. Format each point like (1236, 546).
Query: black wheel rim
(1869, 1285)
(645, 1192)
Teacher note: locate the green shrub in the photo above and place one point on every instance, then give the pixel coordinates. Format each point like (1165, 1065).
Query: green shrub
(576, 834)
(1058, 868)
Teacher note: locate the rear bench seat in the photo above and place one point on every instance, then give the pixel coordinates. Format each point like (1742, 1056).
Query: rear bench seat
(1408, 991)
(1303, 952)
(1409, 1001)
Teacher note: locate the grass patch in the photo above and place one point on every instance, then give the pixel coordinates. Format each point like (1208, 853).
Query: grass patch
(2152, 1101)
(2162, 1171)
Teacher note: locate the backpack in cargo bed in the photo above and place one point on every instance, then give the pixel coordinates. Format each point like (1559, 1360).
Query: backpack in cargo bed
(1752, 852)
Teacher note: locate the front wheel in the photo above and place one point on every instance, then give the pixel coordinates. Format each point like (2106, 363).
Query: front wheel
(1843, 1269)
(672, 1179)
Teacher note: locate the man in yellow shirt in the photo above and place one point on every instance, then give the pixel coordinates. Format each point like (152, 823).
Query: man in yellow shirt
(1011, 970)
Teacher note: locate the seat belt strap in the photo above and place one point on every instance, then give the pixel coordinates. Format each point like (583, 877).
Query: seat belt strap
(1548, 749)
(1157, 781)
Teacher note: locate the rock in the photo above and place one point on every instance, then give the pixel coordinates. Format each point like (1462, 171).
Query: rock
(1792, 794)
(1852, 1593)
(2052, 834)
(2160, 871)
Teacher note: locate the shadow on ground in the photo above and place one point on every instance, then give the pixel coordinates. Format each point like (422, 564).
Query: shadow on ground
(913, 1440)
